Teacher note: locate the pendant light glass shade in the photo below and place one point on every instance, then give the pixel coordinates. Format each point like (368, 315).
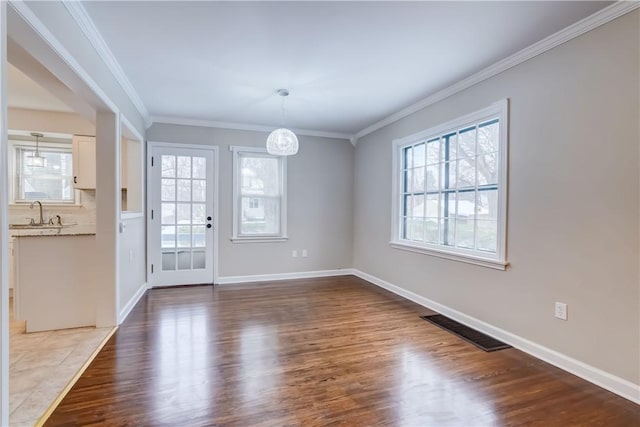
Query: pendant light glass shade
(36, 160)
(282, 142)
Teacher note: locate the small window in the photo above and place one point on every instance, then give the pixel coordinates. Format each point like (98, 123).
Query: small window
(450, 189)
(259, 193)
(52, 183)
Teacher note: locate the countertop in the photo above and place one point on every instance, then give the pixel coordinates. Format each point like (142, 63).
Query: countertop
(72, 230)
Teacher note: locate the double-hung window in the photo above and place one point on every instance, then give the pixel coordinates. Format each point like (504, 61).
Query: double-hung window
(449, 190)
(259, 195)
(51, 183)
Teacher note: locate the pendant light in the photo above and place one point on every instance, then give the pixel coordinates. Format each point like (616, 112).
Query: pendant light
(36, 160)
(282, 141)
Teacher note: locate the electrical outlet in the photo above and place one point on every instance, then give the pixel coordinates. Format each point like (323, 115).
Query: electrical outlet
(304, 253)
(130, 255)
(561, 310)
(294, 253)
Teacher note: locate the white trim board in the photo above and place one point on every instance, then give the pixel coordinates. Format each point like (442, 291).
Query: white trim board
(182, 121)
(88, 27)
(610, 382)
(216, 198)
(229, 280)
(124, 312)
(599, 18)
(4, 226)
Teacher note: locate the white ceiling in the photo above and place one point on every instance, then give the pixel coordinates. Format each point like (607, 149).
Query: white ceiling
(22, 92)
(347, 64)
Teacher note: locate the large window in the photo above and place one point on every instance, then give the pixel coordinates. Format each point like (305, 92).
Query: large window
(259, 195)
(52, 183)
(450, 189)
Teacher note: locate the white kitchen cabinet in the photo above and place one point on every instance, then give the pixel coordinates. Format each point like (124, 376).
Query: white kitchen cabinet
(84, 162)
(55, 292)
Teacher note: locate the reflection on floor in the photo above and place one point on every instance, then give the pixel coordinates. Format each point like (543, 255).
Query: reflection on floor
(42, 364)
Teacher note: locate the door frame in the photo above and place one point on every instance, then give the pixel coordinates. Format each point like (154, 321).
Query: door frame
(214, 149)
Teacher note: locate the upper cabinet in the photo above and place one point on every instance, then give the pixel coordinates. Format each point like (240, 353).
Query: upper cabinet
(84, 162)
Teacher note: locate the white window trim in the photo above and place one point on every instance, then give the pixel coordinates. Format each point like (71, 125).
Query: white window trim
(12, 145)
(497, 260)
(263, 238)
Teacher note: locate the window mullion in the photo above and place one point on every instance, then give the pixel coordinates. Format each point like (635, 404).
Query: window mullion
(454, 220)
(446, 223)
(476, 194)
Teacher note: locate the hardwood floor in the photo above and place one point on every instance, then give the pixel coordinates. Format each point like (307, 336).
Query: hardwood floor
(331, 351)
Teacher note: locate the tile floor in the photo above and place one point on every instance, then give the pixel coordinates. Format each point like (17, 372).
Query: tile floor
(42, 364)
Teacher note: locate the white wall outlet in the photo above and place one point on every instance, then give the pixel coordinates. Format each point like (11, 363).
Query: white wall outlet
(561, 310)
(304, 253)
(294, 253)
(130, 255)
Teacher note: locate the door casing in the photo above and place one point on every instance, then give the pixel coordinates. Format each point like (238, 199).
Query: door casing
(155, 144)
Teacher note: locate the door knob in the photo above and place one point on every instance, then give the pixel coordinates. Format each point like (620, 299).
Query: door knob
(209, 218)
(208, 225)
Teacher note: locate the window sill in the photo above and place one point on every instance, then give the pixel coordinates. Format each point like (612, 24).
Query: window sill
(483, 262)
(258, 239)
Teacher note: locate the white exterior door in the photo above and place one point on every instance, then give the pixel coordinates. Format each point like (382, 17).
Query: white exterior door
(181, 215)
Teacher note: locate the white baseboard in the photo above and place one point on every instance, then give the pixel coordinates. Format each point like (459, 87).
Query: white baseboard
(132, 302)
(228, 280)
(608, 381)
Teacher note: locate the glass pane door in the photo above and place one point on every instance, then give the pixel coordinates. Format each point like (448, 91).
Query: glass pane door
(182, 214)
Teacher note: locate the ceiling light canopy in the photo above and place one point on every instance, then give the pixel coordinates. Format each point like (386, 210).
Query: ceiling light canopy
(282, 141)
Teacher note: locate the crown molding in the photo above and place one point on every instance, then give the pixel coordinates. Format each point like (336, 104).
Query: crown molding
(599, 18)
(86, 24)
(243, 126)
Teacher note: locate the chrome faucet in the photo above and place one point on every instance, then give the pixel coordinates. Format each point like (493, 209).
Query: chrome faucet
(41, 217)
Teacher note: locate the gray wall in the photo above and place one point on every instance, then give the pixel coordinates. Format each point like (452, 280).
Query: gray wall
(573, 232)
(319, 211)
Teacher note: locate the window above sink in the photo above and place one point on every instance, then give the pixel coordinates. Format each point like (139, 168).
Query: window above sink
(50, 184)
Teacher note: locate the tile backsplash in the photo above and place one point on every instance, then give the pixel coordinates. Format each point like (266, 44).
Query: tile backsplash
(82, 214)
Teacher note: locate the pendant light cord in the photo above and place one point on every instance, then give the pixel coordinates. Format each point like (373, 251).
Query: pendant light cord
(37, 136)
(283, 94)
(283, 114)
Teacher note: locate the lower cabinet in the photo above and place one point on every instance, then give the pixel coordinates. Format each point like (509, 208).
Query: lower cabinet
(55, 281)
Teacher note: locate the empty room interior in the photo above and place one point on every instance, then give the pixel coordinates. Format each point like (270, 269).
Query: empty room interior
(313, 213)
